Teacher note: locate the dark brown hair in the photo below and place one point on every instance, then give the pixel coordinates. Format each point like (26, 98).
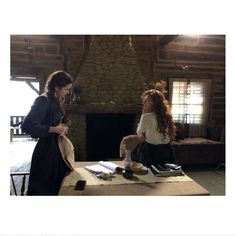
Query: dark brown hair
(57, 79)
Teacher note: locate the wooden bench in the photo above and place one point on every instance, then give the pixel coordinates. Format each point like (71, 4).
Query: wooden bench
(199, 151)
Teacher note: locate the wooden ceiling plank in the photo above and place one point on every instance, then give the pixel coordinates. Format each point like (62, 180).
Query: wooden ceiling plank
(166, 39)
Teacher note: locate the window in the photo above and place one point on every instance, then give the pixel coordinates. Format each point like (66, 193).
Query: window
(24, 90)
(189, 101)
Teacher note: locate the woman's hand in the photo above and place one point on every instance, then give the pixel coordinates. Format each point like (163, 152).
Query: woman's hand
(65, 129)
(142, 137)
(59, 129)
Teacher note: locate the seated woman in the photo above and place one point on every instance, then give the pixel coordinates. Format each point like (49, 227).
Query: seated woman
(157, 126)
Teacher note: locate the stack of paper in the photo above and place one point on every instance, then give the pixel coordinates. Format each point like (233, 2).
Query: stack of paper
(103, 167)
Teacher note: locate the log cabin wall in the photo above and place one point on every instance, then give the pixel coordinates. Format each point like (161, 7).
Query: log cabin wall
(160, 57)
(35, 56)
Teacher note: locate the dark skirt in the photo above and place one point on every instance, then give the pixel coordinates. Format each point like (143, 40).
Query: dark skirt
(47, 168)
(149, 154)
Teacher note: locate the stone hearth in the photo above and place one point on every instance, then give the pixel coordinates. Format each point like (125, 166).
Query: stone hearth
(78, 116)
(110, 81)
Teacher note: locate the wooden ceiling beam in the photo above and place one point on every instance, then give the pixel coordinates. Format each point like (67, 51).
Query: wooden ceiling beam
(166, 39)
(32, 87)
(24, 78)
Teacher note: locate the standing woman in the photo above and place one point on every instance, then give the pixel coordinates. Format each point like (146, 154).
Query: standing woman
(157, 127)
(46, 121)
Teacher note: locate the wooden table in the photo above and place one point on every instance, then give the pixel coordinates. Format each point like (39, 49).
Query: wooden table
(190, 188)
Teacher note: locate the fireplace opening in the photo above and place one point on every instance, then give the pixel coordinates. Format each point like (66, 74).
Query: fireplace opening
(105, 132)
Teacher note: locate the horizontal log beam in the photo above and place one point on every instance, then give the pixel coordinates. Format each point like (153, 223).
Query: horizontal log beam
(191, 55)
(34, 39)
(189, 62)
(24, 78)
(166, 39)
(42, 60)
(189, 66)
(176, 69)
(196, 48)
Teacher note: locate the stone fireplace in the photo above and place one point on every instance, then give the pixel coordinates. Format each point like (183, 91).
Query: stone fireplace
(108, 90)
(104, 133)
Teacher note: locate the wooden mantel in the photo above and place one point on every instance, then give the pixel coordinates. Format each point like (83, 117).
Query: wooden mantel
(102, 108)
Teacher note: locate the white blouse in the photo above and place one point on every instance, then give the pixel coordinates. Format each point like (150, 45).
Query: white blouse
(148, 126)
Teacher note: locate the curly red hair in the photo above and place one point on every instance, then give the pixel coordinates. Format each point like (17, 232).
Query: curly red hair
(163, 114)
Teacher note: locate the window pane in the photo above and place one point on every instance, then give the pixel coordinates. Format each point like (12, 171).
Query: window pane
(188, 101)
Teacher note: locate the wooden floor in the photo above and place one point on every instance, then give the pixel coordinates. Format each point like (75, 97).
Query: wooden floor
(212, 178)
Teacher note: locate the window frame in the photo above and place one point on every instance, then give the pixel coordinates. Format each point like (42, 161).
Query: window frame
(207, 97)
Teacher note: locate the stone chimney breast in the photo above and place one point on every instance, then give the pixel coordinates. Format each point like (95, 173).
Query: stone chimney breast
(110, 74)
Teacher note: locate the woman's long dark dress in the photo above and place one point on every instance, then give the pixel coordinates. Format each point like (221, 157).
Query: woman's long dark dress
(47, 166)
